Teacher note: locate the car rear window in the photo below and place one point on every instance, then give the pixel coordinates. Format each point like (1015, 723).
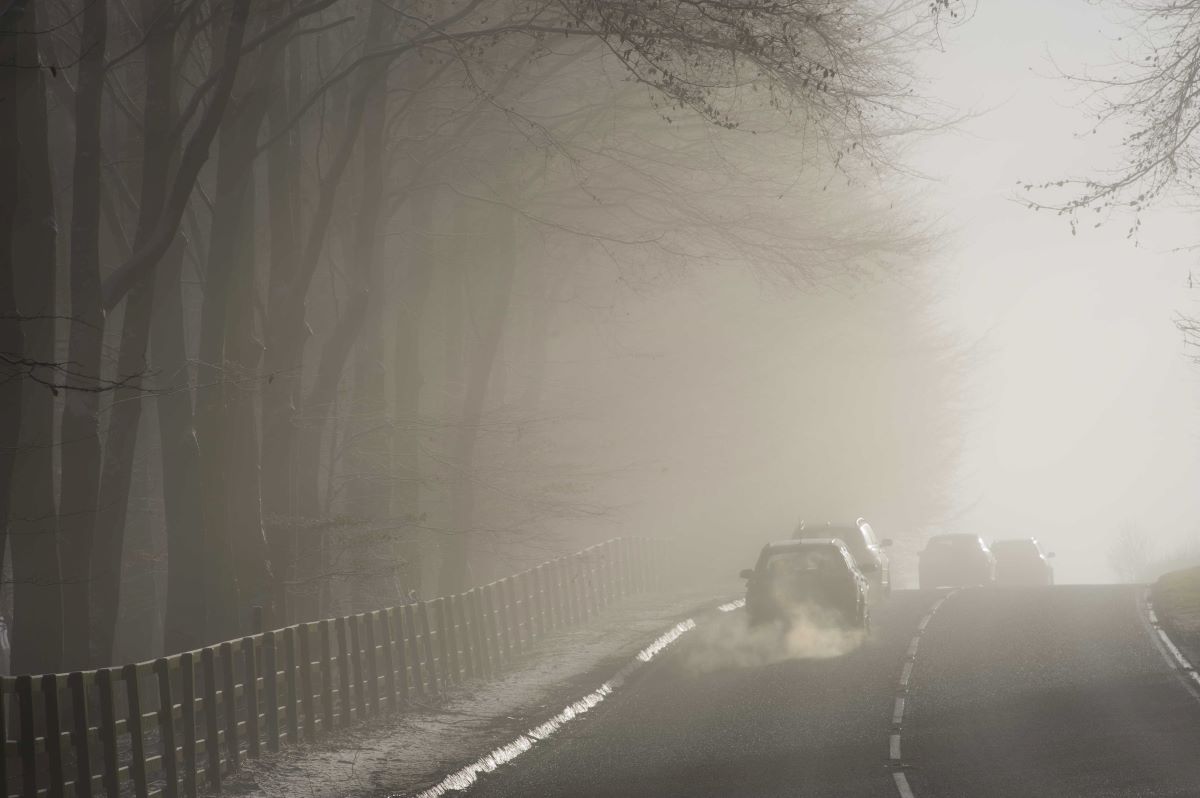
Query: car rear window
(1022, 547)
(954, 541)
(805, 560)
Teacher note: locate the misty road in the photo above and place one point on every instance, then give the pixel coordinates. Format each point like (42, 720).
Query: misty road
(1049, 692)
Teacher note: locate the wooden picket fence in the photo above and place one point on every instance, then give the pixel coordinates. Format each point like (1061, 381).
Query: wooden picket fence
(178, 725)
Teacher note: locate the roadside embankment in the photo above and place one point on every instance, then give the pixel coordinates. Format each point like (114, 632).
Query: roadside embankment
(1176, 597)
(413, 750)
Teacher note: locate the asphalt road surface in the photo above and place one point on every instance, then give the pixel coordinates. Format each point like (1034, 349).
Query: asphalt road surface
(1046, 692)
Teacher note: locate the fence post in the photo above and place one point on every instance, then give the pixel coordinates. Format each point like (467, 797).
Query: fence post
(166, 728)
(389, 672)
(469, 655)
(459, 615)
(398, 628)
(500, 616)
(372, 663)
(83, 759)
(133, 722)
(187, 699)
(52, 737)
(356, 669)
(591, 588)
(343, 666)
(514, 619)
(307, 692)
(525, 580)
(492, 626)
(326, 680)
(4, 742)
(643, 562)
(448, 648)
(571, 591)
(606, 572)
(250, 692)
(289, 685)
(539, 601)
(229, 704)
(271, 691)
(431, 670)
(414, 648)
(579, 588)
(479, 633)
(108, 731)
(564, 591)
(212, 739)
(25, 737)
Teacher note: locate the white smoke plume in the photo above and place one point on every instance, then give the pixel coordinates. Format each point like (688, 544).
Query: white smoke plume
(809, 632)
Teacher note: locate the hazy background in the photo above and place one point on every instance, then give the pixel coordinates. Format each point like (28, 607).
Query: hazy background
(1071, 398)
(1084, 411)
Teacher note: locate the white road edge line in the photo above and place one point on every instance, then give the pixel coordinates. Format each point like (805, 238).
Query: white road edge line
(902, 785)
(905, 675)
(464, 778)
(1167, 648)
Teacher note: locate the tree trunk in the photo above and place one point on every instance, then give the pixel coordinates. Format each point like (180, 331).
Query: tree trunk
(12, 338)
(120, 442)
(232, 205)
(37, 639)
(243, 497)
(494, 290)
(120, 445)
(310, 539)
(80, 418)
(412, 294)
(368, 487)
(283, 358)
(310, 431)
(183, 626)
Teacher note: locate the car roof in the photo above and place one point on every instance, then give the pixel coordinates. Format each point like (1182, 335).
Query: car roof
(815, 529)
(1013, 542)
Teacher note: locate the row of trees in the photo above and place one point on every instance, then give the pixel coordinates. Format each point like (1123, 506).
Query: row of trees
(239, 240)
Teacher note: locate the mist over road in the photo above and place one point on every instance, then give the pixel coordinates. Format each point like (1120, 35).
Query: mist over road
(1050, 692)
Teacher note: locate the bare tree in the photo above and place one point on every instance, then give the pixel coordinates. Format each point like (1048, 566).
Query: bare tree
(1131, 553)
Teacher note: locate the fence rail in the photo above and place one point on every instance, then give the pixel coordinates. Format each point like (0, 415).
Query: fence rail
(177, 725)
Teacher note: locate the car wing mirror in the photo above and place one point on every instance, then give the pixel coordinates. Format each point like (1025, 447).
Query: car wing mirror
(747, 573)
(886, 542)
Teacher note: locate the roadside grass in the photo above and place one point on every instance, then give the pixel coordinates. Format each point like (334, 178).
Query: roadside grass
(1176, 598)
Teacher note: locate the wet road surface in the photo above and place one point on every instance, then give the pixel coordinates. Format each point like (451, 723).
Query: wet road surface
(1045, 692)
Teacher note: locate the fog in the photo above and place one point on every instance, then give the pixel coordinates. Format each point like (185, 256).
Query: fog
(315, 313)
(1083, 403)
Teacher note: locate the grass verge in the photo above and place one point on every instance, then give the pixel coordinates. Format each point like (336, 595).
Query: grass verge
(1176, 597)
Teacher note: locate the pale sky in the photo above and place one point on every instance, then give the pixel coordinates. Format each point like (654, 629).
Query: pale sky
(1085, 402)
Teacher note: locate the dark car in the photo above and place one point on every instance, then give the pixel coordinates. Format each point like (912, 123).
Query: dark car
(795, 575)
(1021, 561)
(956, 561)
(868, 552)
